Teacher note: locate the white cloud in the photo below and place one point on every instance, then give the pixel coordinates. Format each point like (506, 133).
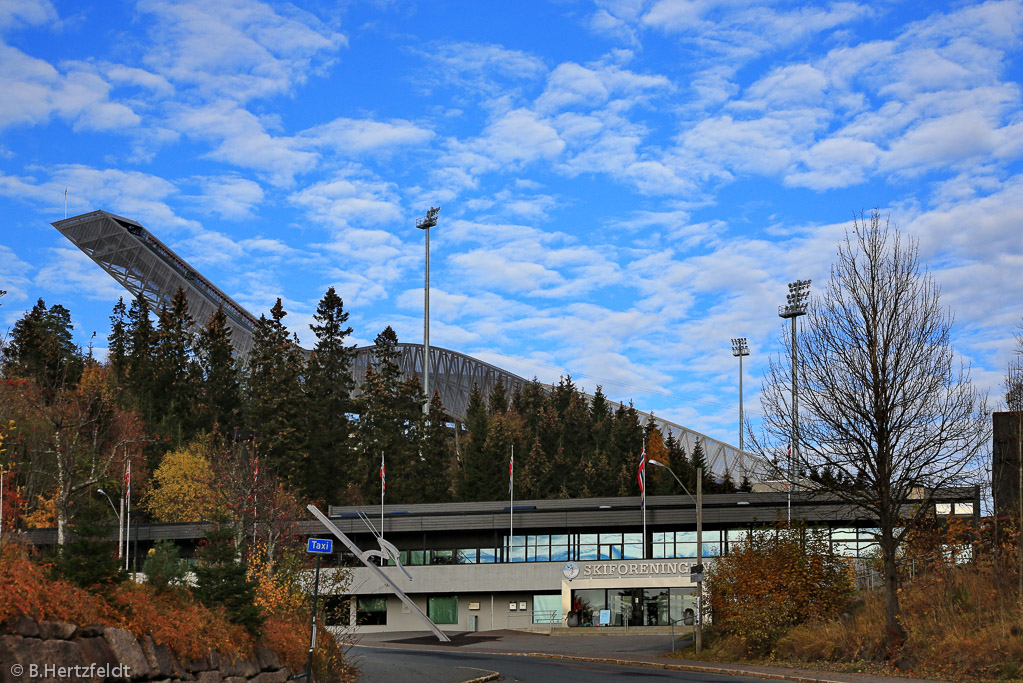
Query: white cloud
(27, 12)
(349, 199)
(242, 139)
(230, 197)
(34, 91)
(69, 270)
(235, 49)
(574, 85)
(131, 193)
(355, 136)
(16, 281)
(482, 68)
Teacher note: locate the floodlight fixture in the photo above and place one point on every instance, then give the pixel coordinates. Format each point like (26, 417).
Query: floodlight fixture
(799, 293)
(429, 220)
(740, 347)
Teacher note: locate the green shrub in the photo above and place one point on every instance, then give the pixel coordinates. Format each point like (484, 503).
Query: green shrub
(163, 568)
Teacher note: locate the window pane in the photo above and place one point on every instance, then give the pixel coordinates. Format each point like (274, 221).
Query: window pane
(442, 557)
(547, 609)
(587, 538)
(610, 538)
(466, 556)
(610, 552)
(633, 551)
(442, 610)
(518, 554)
(559, 554)
(559, 539)
(488, 555)
(588, 552)
(416, 557)
(685, 550)
(633, 538)
(371, 611)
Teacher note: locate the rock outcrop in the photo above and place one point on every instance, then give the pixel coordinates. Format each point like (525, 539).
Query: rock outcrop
(55, 651)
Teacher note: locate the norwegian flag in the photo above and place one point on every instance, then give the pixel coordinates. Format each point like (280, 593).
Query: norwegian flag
(641, 476)
(127, 482)
(383, 475)
(255, 473)
(511, 470)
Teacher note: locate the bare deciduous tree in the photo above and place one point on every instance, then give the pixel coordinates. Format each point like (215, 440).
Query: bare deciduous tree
(885, 407)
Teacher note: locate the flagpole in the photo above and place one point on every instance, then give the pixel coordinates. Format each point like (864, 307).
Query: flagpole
(511, 505)
(383, 487)
(644, 501)
(641, 478)
(255, 499)
(127, 515)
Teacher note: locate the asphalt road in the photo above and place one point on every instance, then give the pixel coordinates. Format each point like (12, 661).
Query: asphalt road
(389, 664)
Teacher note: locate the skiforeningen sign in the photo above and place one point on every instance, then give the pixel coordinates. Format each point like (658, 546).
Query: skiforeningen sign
(624, 569)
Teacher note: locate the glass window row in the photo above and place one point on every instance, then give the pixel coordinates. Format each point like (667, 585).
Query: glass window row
(850, 542)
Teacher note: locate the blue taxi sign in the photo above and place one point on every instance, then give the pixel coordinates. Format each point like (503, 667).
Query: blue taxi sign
(320, 545)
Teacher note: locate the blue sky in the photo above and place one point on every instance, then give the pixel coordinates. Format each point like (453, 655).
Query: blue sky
(625, 185)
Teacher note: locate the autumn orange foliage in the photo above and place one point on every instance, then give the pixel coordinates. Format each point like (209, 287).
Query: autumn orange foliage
(170, 617)
(774, 579)
(960, 608)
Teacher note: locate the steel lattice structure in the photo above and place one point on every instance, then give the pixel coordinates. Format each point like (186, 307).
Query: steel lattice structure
(148, 268)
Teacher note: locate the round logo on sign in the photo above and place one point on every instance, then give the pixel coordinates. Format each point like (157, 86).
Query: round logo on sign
(570, 570)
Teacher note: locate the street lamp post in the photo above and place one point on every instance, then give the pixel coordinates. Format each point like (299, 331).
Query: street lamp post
(120, 523)
(425, 223)
(699, 545)
(799, 292)
(740, 348)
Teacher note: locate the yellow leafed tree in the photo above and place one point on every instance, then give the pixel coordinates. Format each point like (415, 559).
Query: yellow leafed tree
(182, 488)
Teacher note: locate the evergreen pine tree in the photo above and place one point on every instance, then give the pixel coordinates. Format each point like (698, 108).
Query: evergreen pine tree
(474, 472)
(42, 348)
(498, 401)
(436, 465)
(141, 339)
(220, 391)
(221, 580)
(626, 442)
(174, 369)
(117, 342)
(699, 461)
(274, 394)
(90, 559)
(390, 412)
(329, 385)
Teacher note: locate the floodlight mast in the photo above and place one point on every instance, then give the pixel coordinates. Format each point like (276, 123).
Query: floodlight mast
(799, 293)
(740, 348)
(425, 223)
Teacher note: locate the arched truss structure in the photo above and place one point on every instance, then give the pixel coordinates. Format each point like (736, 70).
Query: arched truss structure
(453, 375)
(149, 269)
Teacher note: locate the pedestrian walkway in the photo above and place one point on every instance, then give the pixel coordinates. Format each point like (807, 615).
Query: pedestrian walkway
(636, 650)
